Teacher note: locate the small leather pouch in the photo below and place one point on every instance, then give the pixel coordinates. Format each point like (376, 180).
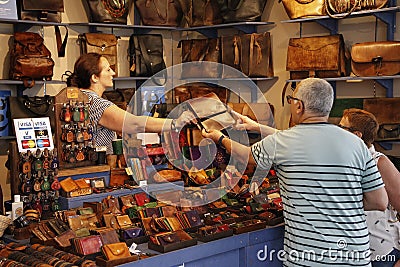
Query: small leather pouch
(141, 198)
(89, 221)
(82, 232)
(63, 240)
(110, 221)
(115, 251)
(130, 233)
(88, 245)
(85, 211)
(108, 236)
(127, 200)
(123, 221)
(168, 211)
(167, 238)
(193, 218)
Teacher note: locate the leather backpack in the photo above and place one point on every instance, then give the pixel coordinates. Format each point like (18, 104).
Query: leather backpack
(30, 59)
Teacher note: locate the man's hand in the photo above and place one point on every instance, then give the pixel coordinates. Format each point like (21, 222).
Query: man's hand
(244, 122)
(212, 134)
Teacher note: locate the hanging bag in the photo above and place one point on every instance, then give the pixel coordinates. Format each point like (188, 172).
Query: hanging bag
(43, 10)
(241, 10)
(200, 12)
(107, 11)
(297, 9)
(159, 12)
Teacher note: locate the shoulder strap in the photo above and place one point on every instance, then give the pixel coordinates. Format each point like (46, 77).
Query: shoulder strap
(61, 45)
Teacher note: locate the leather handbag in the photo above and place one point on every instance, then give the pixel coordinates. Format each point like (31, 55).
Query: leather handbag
(241, 10)
(200, 12)
(198, 51)
(376, 58)
(116, 251)
(30, 59)
(320, 56)
(24, 106)
(159, 12)
(107, 11)
(43, 10)
(297, 9)
(249, 53)
(348, 6)
(146, 54)
(104, 44)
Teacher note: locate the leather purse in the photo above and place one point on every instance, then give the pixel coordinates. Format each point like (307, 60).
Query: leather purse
(241, 10)
(146, 56)
(130, 233)
(110, 221)
(198, 51)
(297, 9)
(165, 239)
(104, 44)
(141, 198)
(116, 251)
(348, 6)
(320, 56)
(32, 107)
(108, 235)
(388, 132)
(123, 221)
(200, 12)
(159, 12)
(251, 54)
(107, 11)
(44, 10)
(376, 58)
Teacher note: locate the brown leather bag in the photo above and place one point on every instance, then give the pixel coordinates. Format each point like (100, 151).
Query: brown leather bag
(43, 10)
(304, 8)
(249, 53)
(104, 44)
(198, 51)
(107, 11)
(376, 58)
(348, 6)
(30, 59)
(320, 56)
(200, 12)
(241, 10)
(159, 12)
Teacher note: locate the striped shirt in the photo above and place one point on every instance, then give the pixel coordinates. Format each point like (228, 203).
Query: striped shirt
(323, 172)
(102, 136)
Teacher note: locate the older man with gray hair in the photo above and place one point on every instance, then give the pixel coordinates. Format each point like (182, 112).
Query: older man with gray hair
(327, 178)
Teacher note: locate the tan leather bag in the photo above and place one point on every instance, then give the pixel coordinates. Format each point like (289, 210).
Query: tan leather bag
(348, 6)
(376, 58)
(320, 56)
(102, 43)
(116, 251)
(304, 8)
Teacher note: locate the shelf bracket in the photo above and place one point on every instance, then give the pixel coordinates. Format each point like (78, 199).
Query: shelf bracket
(388, 85)
(210, 33)
(390, 20)
(246, 28)
(330, 24)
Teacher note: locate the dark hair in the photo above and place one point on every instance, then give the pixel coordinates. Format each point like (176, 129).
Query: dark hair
(84, 68)
(364, 122)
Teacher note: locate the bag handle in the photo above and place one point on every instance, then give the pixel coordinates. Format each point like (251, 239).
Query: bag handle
(330, 14)
(238, 5)
(61, 45)
(37, 102)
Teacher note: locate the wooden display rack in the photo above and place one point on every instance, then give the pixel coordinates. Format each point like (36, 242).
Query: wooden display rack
(67, 95)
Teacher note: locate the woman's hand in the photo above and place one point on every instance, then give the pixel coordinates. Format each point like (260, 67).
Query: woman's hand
(244, 122)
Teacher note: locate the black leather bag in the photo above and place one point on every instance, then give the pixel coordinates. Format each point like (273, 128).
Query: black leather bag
(32, 107)
(146, 54)
(241, 10)
(107, 11)
(43, 10)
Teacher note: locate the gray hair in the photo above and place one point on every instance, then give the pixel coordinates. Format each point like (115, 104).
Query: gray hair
(317, 95)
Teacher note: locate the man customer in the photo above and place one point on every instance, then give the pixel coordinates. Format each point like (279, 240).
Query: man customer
(327, 178)
(383, 226)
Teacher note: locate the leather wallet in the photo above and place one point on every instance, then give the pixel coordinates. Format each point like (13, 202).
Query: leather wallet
(193, 218)
(123, 221)
(88, 245)
(116, 251)
(131, 233)
(141, 198)
(110, 221)
(168, 211)
(63, 240)
(68, 185)
(108, 236)
(167, 238)
(127, 200)
(85, 211)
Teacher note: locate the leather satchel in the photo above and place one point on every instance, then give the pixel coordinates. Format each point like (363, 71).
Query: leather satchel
(376, 58)
(146, 54)
(320, 56)
(43, 10)
(104, 44)
(30, 59)
(200, 12)
(198, 51)
(159, 12)
(107, 11)
(241, 10)
(297, 9)
(249, 53)
(116, 251)
(348, 6)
